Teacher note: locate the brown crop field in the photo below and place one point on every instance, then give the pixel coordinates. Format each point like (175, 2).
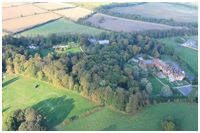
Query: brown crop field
(53, 6)
(124, 25)
(12, 4)
(161, 11)
(20, 11)
(74, 13)
(20, 24)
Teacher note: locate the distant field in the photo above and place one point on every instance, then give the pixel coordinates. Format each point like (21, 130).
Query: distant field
(12, 4)
(148, 119)
(188, 55)
(53, 6)
(20, 11)
(74, 13)
(161, 10)
(90, 5)
(56, 104)
(22, 23)
(124, 25)
(61, 26)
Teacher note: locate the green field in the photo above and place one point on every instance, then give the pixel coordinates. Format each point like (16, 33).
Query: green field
(58, 104)
(150, 118)
(70, 50)
(188, 55)
(61, 26)
(90, 5)
(156, 85)
(55, 104)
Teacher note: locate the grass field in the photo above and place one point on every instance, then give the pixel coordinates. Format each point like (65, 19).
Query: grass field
(157, 86)
(147, 119)
(61, 26)
(59, 104)
(90, 5)
(54, 103)
(188, 55)
(173, 11)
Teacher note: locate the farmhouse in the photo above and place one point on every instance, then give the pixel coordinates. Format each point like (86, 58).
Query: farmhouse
(145, 63)
(33, 47)
(60, 46)
(102, 42)
(191, 44)
(172, 71)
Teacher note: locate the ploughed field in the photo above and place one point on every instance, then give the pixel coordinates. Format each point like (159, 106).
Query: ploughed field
(22, 23)
(59, 104)
(177, 12)
(53, 6)
(61, 26)
(74, 13)
(124, 25)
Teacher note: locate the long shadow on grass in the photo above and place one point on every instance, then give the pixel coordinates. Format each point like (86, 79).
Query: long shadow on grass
(10, 81)
(55, 109)
(109, 128)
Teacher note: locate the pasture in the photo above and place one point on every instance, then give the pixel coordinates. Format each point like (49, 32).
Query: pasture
(56, 104)
(74, 13)
(188, 55)
(22, 23)
(61, 26)
(157, 86)
(124, 25)
(148, 119)
(173, 11)
(90, 5)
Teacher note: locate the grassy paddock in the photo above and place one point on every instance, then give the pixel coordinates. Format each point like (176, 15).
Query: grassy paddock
(61, 26)
(148, 119)
(54, 103)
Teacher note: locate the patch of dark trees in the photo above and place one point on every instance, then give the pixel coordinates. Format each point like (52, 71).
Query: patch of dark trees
(26, 120)
(100, 74)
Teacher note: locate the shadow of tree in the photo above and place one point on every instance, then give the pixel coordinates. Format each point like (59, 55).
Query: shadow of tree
(10, 81)
(109, 128)
(55, 110)
(3, 110)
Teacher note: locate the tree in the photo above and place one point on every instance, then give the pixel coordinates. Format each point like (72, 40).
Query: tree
(28, 120)
(169, 124)
(131, 106)
(166, 91)
(149, 88)
(143, 83)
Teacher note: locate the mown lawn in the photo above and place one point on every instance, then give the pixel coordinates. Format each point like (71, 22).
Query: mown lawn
(148, 119)
(56, 104)
(157, 86)
(61, 26)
